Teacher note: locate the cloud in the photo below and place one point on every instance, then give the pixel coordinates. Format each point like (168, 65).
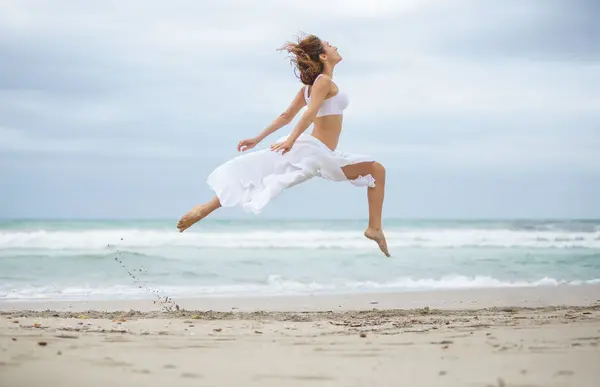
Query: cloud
(13, 141)
(537, 30)
(494, 86)
(408, 51)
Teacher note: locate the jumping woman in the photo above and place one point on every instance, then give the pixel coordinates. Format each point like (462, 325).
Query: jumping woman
(253, 179)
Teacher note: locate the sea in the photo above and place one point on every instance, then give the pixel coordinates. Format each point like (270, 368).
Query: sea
(42, 260)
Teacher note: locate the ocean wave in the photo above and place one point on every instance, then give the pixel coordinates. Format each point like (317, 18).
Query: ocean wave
(407, 283)
(300, 239)
(278, 285)
(73, 255)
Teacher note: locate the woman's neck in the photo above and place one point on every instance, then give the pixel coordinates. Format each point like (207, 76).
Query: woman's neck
(328, 70)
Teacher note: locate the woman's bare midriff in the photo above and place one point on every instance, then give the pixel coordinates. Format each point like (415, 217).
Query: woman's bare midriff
(327, 129)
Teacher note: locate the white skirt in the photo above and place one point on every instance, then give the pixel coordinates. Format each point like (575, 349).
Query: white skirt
(253, 179)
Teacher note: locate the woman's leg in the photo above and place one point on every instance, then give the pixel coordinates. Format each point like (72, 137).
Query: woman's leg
(375, 198)
(197, 213)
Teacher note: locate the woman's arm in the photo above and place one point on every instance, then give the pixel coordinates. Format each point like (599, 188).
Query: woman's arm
(319, 92)
(286, 117)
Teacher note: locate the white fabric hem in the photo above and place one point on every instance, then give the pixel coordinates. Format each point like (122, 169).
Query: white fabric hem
(253, 179)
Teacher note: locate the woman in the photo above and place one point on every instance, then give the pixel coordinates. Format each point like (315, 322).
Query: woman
(253, 179)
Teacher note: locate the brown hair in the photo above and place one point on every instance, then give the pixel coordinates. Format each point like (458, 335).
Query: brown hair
(306, 57)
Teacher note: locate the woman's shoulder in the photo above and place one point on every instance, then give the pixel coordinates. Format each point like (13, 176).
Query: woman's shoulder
(322, 78)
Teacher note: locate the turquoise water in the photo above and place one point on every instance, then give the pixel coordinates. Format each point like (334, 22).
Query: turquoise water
(69, 260)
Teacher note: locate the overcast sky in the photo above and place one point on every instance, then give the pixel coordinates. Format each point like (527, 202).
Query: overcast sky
(477, 108)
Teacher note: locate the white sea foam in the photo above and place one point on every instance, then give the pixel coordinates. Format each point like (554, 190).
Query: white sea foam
(309, 239)
(277, 285)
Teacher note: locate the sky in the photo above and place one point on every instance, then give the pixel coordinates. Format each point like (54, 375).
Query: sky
(478, 109)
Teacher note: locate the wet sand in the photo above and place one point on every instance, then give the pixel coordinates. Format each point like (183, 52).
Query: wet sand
(362, 340)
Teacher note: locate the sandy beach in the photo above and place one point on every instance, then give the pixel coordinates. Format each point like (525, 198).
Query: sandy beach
(495, 337)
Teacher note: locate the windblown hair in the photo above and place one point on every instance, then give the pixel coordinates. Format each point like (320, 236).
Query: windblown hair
(305, 57)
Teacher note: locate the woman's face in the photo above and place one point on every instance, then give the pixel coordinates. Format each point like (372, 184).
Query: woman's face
(331, 53)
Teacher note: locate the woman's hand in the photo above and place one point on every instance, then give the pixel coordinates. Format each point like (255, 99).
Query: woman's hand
(284, 146)
(247, 144)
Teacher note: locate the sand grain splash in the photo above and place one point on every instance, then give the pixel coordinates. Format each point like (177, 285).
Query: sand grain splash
(166, 303)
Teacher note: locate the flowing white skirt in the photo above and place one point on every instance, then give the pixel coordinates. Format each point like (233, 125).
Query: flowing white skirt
(253, 179)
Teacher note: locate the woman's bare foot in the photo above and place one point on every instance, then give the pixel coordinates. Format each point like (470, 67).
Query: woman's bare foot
(378, 236)
(193, 216)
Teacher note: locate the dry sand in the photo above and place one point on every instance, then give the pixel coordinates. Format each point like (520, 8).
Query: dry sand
(361, 343)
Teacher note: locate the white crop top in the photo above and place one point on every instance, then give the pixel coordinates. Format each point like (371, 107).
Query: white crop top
(331, 106)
